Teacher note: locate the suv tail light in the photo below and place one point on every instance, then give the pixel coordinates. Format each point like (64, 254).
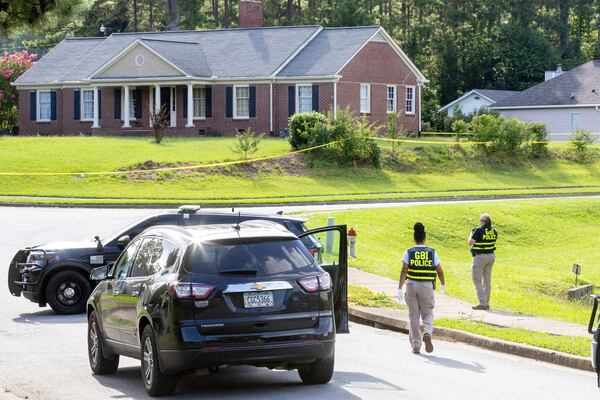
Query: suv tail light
(189, 290)
(316, 283)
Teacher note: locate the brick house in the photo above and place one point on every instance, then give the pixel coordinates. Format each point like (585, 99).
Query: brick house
(216, 82)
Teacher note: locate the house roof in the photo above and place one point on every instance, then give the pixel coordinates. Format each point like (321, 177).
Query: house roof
(298, 51)
(492, 95)
(579, 86)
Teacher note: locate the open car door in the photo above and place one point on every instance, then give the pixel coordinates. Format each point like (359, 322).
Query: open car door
(333, 258)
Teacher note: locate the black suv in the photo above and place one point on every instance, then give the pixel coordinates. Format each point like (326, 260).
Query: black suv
(58, 273)
(200, 297)
(596, 337)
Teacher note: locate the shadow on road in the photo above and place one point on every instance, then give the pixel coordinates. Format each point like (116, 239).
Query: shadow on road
(451, 363)
(49, 317)
(248, 383)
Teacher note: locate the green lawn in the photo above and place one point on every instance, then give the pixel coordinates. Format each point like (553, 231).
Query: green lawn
(443, 177)
(539, 240)
(362, 296)
(567, 344)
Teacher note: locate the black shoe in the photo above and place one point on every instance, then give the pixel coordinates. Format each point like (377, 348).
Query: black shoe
(428, 344)
(480, 307)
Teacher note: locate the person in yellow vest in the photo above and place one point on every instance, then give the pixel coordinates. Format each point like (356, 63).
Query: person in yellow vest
(420, 268)
(483, 245)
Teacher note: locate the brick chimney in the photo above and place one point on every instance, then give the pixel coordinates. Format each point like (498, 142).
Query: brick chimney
(251, 14)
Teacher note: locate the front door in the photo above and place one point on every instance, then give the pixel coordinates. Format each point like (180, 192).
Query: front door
(334, 260)
(165, 102)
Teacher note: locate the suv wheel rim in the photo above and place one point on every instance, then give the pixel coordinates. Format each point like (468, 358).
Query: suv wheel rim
(94, 342)
(68, 293)
(148, 361)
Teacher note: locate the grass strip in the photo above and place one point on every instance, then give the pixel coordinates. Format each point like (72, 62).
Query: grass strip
(362, 296)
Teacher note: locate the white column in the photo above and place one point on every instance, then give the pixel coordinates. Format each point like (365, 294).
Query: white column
(271, 108)
(96, 123)
(334, 99)
(190, 105)
(156, 98)
(126, 115)
(149, 105)
(173, 104)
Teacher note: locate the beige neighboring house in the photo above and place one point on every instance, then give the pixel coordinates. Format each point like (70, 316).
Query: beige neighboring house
(566, 101)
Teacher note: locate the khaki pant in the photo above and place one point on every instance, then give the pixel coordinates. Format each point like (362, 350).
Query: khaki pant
(420, 300)
(482, 276)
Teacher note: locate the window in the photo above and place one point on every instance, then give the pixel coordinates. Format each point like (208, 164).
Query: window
(241, 104)
(199, 95)
(133, 103)
(365, 98)
(87, 104)
(44, 99)
(575, 121)
(155, 255)
(391, 99)
(305, 99)
(124, 263)
(410, 100)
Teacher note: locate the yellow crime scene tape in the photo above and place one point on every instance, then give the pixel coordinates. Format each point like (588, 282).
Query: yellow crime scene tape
(239, 162)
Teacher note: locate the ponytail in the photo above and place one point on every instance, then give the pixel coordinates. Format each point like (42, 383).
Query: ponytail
(419, 233)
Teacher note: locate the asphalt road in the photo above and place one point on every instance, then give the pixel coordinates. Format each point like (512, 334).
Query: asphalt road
(43, 356)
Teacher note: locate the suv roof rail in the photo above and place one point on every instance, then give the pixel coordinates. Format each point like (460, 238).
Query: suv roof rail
(189, 209)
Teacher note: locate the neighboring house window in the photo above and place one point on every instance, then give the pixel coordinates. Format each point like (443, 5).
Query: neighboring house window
(87, 105)
(575, 121)
(365, 98)
(410, 99)
(241, 104)
(199, 95)
(133, 103)
(391, 99)
(44, 105)
(305, 100)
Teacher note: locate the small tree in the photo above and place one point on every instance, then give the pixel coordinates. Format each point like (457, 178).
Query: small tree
(580, 143)
(246, 143)
(158, 121)
(11, 67)
(393, 131)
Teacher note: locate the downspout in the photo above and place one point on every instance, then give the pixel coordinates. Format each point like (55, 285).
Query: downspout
(598, 109)
(420, 106)
(271, 108)
(335, 98)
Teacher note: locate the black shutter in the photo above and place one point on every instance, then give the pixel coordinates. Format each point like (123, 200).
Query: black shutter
(33, 105)
(185, 101)
(315, 98)
(138, 103)
(208, 101)
(291, 100)
(117, 103)
(53, 105)
(76, 105)
(229, 101)
(252, 105)
(99, 103)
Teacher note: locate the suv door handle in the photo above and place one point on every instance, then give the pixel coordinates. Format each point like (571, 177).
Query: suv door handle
(115, 292)
(135, 293)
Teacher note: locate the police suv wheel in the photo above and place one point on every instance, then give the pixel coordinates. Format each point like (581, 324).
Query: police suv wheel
(318, 372)
(67, 292)
(156, 382)
(100, 363)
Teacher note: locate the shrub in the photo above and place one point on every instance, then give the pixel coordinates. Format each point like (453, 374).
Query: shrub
(537, 134)
(356, 145)
(246, 143)
(502, 137)
(307, 130)
(580, 143)
(158, 122)
(393, 131)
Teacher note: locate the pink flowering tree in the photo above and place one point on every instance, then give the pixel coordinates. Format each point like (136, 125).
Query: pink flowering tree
(11, 67)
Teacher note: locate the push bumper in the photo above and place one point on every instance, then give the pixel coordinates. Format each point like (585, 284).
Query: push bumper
(290, 353)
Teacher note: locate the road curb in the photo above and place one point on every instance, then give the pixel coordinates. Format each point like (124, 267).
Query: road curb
(370, 316)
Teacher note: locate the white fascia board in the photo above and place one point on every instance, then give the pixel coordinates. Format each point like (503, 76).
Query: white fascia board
(298, 50)
(545, 106)
(464, 96)
(125, 51)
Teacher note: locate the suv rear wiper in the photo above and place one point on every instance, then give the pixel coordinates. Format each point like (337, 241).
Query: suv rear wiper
(239, 272)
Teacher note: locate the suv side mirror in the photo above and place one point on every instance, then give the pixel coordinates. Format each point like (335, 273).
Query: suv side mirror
(99, 274)
(123, 241)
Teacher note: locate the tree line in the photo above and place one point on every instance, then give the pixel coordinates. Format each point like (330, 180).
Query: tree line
(459, 45)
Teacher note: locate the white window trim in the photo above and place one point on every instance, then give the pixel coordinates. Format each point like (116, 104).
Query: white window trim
(368, 110)
(203, 118)
(298, 86)
(37, 106)
(395, 108)
(131, 117)
(413, 101)
(234, 100)
(81, 102)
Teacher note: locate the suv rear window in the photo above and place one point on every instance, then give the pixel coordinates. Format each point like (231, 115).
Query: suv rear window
(255, 258)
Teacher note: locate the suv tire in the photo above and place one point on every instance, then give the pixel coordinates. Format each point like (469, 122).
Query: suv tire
(100, 363)
(67, 292)
(318, 372)
(155, 381)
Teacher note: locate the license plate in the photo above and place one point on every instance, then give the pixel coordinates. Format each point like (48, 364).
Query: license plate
(258, 299)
